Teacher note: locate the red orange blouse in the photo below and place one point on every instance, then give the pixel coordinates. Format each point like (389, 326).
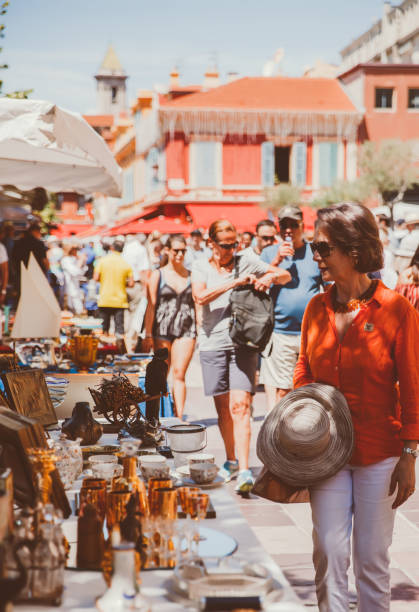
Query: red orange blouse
(376, 367)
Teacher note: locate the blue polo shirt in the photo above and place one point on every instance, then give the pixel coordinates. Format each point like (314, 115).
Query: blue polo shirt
(290, 300)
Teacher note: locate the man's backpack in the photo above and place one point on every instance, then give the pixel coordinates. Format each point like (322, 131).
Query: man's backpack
(252, 317)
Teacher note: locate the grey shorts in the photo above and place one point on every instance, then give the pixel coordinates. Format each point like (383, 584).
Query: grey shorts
(277, 370)
(228, 369)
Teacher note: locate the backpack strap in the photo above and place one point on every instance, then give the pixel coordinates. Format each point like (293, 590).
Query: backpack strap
(236, 266)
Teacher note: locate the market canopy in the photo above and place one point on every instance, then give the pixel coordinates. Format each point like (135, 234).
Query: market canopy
(43, 145)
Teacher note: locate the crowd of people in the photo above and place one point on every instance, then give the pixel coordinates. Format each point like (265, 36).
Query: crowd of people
(345, 303)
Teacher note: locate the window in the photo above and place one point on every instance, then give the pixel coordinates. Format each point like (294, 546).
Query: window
(268, 166)
(282, 164)
(152, 165)
(383, 98)
(114, 91)
(413, 99)
(205, 172)
(300, 163)
(328, 163)
(128, 186)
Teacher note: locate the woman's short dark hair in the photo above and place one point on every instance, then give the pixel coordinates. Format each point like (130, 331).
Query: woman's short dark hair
(353, 229)
(219, 226)
(175, 238)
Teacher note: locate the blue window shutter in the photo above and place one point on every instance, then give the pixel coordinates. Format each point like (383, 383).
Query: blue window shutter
(151, 160)
(128, 190)
(268, 164)
(300, 162)
(333, 161)
(324, 164)
(328, 163)
(162, 167)
(205, 164)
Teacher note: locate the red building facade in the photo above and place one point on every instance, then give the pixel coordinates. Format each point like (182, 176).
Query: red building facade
(219, 149)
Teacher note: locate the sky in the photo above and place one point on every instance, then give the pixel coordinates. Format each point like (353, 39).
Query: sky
(55, 46)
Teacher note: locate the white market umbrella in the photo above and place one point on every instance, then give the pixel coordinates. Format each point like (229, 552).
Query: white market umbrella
(43, 145)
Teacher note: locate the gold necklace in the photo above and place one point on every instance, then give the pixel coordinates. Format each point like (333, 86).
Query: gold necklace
(354, 303)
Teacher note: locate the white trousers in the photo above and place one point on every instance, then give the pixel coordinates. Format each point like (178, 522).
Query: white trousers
(358, 495)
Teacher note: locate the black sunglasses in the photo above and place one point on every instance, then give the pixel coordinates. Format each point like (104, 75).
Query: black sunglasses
(323, 248)
(183, 251)
(288, 223)
(267, 238)
(228, 246)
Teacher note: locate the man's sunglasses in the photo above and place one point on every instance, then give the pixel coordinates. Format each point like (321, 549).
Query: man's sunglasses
(176, 251)
(288, 224)
(228, 246)
(323, 248)
(267, 238)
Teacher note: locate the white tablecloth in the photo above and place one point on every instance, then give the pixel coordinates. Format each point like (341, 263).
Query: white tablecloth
(82, 588)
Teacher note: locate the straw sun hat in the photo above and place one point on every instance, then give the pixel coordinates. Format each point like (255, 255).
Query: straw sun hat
(308, 436)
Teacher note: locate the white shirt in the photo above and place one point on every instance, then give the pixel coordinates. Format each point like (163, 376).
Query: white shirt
(410, 242)
(135, 254)
(3, 254)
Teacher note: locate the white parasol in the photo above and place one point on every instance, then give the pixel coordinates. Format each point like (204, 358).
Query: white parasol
(43, 145)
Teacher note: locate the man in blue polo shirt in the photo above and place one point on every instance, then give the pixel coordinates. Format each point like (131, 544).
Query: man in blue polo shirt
(290, 301)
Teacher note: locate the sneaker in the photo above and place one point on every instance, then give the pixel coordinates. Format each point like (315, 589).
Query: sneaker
(245, 481)
(229, 470)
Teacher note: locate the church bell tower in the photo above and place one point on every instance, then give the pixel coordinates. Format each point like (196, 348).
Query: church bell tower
(111, 85)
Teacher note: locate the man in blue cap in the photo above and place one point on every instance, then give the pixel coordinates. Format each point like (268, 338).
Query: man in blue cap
(290, 301)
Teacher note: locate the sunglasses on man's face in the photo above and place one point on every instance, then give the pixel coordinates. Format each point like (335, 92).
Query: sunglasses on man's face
(323, 248)
(267, 238)
(176, 251)
(227, 246)
(288, 224)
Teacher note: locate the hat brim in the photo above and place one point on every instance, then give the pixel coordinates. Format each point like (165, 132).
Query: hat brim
(305, 471)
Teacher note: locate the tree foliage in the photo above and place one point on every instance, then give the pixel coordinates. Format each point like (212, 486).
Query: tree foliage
(14, 94)
(281, 195)
(388, 169)
(343, 191)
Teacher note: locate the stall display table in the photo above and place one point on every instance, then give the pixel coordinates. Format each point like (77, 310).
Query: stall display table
(83, 587)
(78, 391)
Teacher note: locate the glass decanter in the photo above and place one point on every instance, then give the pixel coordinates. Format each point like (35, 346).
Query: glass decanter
(70, 459)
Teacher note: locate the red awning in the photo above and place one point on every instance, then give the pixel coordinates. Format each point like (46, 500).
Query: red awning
(242, 216)
(64, 230)
(164, 225)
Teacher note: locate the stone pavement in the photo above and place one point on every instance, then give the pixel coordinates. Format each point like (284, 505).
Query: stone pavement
(285, 529)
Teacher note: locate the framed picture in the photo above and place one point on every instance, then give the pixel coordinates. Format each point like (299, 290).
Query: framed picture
(27, 393)
(18, 434)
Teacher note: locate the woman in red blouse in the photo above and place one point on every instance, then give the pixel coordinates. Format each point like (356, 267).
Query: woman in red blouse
(363, 339)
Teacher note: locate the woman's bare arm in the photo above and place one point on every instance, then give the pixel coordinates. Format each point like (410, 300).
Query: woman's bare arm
(203, 296)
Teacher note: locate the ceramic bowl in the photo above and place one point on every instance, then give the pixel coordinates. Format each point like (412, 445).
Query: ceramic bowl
(94, 459)
(201, 458)
(203, 473)
(106, 470)
(154, 466)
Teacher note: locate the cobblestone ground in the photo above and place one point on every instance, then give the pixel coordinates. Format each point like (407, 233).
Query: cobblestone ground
(285, 529)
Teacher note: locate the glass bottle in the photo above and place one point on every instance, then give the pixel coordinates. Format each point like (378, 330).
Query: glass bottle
(19, 536)
(46, 583)
(70, 462)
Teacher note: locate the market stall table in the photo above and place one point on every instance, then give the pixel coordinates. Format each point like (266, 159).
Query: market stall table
(83, 587)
